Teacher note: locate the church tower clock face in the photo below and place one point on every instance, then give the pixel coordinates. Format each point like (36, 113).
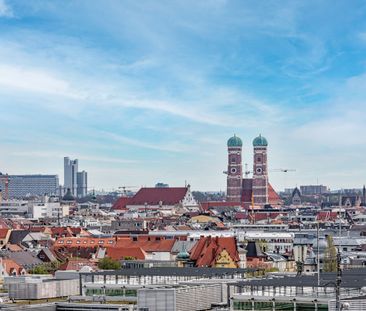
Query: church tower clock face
(258, 170)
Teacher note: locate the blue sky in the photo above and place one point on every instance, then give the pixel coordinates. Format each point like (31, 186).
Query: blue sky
(148, 91)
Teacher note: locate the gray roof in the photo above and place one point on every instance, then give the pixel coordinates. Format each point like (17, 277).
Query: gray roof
(49, 254)
(275, 257)
(36, 236)
(23, 258)
(178, 246)
(17, 236)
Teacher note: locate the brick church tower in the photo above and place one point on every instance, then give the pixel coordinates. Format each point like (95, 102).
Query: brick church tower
(234, 170)
(260, 172)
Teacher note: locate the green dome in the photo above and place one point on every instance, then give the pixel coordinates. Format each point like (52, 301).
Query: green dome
(68, 196)
(234, 141)
(260, 141)
(183, 255)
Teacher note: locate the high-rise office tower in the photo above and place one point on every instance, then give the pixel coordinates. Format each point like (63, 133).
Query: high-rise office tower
(82, 184)
(70, 175)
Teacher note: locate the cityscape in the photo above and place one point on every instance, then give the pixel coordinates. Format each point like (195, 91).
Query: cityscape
(182, 156)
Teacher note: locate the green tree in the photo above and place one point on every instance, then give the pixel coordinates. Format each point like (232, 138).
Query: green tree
(330, 256)
(109, 264)
(41, 269)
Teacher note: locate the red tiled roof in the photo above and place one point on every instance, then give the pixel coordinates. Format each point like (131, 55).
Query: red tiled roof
(83, 242)
(147, 246)
(121, 203)
(153, 196)
(327, 216)
(273, 197)
(3, 224)
(14, 247)
(263, 216)
(10, 266)
(3, 233)
(145, 242)
(240, 215)
(119, 253)
(207, 249)
(77, 264)
(67, 231)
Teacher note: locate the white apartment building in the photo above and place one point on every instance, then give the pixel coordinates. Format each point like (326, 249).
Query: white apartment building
(11, 208)
(37, 210)
(271, 242)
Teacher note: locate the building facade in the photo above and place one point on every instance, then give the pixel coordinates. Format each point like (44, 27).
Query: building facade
(20, 186)
(70, 175)
(313, 189)
(255, 192)
(260, 172)
(234, 169)
(82, 184)
(39, 210)
(74, 180)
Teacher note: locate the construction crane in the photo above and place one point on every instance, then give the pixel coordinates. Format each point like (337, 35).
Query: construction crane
(283, 170)
(124, 191)
(5, 179)
(247, 172)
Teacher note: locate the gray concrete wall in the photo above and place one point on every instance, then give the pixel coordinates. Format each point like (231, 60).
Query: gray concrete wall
(43, 290)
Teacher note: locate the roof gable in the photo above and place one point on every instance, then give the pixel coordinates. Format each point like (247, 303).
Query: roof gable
(207, 250)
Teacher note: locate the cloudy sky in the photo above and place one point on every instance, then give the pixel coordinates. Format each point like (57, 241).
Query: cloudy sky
(149, 91)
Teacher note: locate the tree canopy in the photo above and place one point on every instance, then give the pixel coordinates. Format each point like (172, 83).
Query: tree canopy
(109, 264)
(330, 256)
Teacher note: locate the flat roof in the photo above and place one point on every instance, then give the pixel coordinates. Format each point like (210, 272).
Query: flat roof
(171, 271)
(353, 278)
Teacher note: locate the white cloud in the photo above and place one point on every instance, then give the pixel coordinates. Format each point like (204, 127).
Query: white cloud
(35, 80)
(5, 10)
(139, 143)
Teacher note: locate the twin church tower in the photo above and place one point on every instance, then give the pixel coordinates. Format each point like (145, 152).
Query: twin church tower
(250, 192)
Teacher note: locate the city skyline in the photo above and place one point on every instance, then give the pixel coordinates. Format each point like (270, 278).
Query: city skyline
(153, 93)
